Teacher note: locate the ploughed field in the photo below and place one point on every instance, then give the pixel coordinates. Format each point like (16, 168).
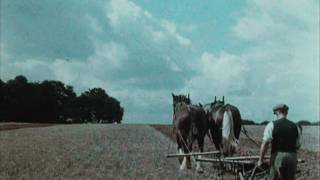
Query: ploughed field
(309, 152)
(87, 151)
(109, 151)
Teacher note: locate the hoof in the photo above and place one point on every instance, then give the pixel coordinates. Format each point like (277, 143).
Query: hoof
(199, 170)
(189, 166)
(189, 163)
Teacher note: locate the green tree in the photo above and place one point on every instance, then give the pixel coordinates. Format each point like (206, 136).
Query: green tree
(55, 102)
(98, 106)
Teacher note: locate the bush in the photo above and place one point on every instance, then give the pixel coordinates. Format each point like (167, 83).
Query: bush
(248, 122)
(264, 122)
(304, 123)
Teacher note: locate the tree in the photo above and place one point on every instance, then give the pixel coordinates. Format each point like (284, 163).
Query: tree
(3, 108)
(317, 123)
(264, 122)
(248, 122)
(15, 103)
(55, 102)
(96, 105)
(57, 97)
(304, 123)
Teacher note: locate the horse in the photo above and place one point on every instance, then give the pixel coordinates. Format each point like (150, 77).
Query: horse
(225, 126)
(189, 123)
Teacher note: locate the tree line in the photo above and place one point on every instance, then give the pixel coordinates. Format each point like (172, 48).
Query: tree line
(301, 122)
(54, 102)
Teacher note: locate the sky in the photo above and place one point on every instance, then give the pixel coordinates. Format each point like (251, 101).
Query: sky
(256, 53)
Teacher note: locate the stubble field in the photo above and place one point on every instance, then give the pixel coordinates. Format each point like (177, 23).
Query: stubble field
(89, 151)
(309, 152)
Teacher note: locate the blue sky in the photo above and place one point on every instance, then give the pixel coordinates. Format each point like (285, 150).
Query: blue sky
(255, 53)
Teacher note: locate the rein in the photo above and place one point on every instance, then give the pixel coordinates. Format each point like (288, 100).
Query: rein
(184, 142)
(245, 132)
(177, 129)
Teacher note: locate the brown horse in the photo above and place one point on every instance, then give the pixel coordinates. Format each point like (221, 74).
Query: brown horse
(225, 125)
(189, 123)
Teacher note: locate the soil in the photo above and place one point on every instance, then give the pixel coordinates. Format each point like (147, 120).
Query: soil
(310, 169)
(13, 126)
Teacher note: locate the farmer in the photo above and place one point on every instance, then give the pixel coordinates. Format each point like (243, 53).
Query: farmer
(284, 137)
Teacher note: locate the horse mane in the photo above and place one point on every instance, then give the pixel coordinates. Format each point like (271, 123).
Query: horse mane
(229, 141)
(216, 106)
(207, 106)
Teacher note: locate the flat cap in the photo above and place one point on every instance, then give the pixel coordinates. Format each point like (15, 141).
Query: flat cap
(280, 107)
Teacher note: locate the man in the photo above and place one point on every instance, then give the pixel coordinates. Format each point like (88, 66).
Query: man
(284, 137)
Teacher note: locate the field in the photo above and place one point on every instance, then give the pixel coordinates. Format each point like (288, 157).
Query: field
(89, 151)
(310, 149)
(13, 126)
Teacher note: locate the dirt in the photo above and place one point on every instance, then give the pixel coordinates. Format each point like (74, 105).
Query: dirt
(310, 169)
(12, 125)
(108, 151)
(88, 151)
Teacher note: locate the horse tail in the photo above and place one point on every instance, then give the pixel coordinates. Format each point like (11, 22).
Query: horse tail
(229, 141)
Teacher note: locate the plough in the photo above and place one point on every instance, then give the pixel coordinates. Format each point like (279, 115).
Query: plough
(243, 167)
(193, 154)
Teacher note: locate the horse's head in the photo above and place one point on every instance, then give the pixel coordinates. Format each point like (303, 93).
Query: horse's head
(212, 110)
(217, 103)
(180, 98)
(222, 126)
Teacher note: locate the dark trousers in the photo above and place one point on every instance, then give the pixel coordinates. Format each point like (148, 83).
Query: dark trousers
(283, 166)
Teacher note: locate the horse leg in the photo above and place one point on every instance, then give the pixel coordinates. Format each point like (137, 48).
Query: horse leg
(215, 139)
(191, 139)
(200, 144)
(185, 151)
(221, 151)
(179, 147)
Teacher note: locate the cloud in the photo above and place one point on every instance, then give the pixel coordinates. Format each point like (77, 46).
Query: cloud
(171, 28)
(285, 54)
(217, 75)
(123, 11)
(47, 29)
(279, 65)
(126, 50)
(140, 58)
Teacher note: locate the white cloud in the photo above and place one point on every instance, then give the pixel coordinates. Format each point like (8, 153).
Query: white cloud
(120, 10)
(182, 40)
(140, 59)
(281, 64)
(32, 68)
(125, 14)
(172, 64)
(158, 36)
(188, 28)
(171, 28)
(94, 24)
(252, 29)
(216, 76)
(108, 56)
(134, 57)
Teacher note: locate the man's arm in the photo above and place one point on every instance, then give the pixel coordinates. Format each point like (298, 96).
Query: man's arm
(298, 143)
(267, 138)
(263, 149)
